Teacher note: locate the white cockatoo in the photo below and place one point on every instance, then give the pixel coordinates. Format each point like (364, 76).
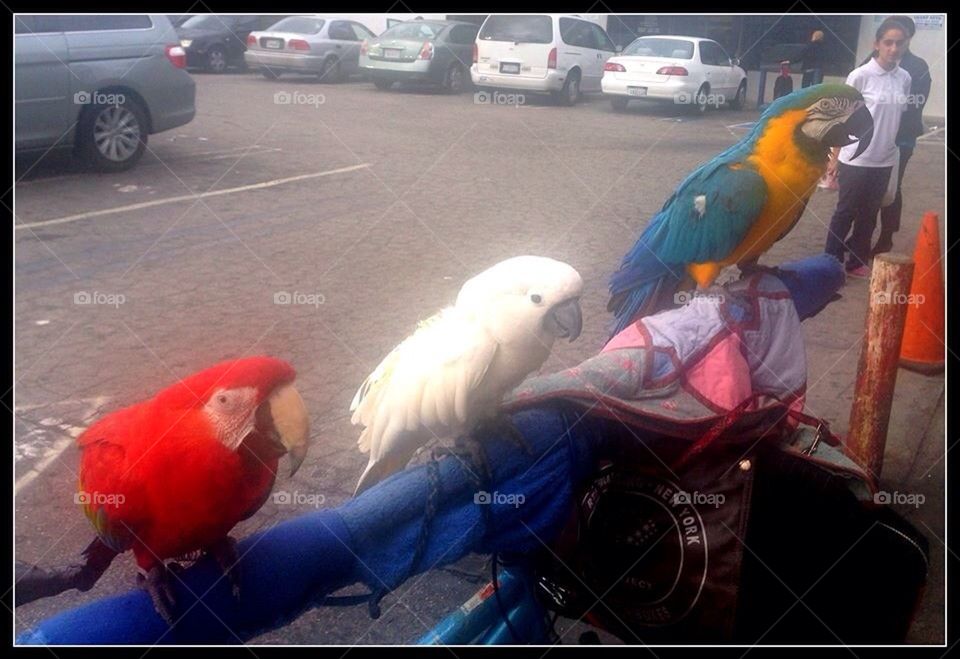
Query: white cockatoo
(453, 371)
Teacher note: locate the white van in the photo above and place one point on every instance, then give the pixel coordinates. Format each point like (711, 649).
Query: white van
(556, 53)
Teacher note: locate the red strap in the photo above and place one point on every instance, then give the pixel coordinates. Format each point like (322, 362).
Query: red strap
(816, 422)
(715, 431)
(733, 415)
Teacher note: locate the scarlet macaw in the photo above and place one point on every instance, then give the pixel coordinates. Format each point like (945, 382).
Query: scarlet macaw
(171, 476)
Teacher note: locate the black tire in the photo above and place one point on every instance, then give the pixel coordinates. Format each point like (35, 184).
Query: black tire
(740, 100)
(455, 79)
(698, 104)
(270, 74)
(330, 71)
(570, 93)
(112, 138)
(216, 60)
(619, 103)
(381, 83)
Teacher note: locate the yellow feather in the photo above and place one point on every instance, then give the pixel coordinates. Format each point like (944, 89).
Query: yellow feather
(790, 177)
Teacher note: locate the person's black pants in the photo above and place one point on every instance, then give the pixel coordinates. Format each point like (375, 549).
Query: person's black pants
(890, 215)
(861, 191)
(811, 77)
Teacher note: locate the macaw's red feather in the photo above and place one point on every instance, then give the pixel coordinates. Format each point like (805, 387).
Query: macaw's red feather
(155, 478)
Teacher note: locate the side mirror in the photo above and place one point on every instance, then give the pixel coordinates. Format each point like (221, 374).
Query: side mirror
(619, 48)
(734, 61)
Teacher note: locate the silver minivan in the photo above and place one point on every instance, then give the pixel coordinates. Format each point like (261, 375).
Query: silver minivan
(99, 83)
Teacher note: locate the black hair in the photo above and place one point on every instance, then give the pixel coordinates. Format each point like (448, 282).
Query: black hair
(907, 23)
(892, 23)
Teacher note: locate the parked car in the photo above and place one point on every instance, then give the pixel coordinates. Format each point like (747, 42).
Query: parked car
(215, 42)
(558, 54)
(178, 19)
(690, 71)
(98, 83)
(329, 48)
(436, 52)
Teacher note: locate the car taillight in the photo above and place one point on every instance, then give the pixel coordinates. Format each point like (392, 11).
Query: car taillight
(476, 52)
(427, 51)
(552, 59)
(176, 55)
(614, 66)
(672, 71)
(251, 40)
(298, 44)
(363, 47)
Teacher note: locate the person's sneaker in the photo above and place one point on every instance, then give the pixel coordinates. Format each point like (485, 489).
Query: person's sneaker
(861, 272)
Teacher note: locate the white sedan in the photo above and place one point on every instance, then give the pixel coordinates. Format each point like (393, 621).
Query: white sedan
(689, 71)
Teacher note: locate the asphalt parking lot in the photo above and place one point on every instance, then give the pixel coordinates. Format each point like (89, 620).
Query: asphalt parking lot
(370, 208)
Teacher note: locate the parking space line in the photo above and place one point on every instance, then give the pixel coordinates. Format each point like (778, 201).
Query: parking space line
(52, 453)
(221, 156)
(189, 197)
(926, 136)
(48, 457)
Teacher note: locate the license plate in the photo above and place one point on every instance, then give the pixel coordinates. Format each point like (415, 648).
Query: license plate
(509, 67)
(273, 43)
(392, 53)
(637, 91)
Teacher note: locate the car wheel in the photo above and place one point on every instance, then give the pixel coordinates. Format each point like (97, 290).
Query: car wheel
(619, 103)
(740, 100)
(381, 83)
(330, 70)
(216, 60)
(698, 104)
(454, 82)
(570, 93)
(112, 138)
(270, 74)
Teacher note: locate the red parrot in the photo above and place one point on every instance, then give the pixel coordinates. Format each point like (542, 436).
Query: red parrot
(171, 476)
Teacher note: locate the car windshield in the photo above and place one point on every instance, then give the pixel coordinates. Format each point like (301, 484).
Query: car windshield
(413, 30)
(650, 47)
(208, 22)
(298, 25)
(519, 29)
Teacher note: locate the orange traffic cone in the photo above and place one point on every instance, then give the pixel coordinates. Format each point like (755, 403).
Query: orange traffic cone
(923, 347)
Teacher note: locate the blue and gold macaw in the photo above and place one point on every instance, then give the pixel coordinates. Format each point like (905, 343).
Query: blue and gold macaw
(733, 208)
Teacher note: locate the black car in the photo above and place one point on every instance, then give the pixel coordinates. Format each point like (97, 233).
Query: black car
(214, 42)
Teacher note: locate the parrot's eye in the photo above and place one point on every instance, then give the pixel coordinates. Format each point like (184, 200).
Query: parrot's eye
(536, 299)
(222, 399)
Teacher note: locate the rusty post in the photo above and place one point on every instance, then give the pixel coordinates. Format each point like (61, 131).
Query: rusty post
(879, 356)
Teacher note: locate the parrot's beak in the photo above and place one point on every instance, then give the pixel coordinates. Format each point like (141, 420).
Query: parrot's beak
(292, 425)
(858, 127)
(565, 320)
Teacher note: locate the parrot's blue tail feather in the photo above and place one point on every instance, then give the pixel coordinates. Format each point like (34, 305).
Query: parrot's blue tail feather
(641, 284)
(644, 281)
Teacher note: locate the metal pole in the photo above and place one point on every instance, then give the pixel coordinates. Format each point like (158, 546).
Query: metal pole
(879, 356)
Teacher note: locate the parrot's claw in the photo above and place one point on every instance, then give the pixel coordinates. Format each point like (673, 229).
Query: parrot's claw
(503, 425)
(227, 557)
(157, 582)
(469, 451)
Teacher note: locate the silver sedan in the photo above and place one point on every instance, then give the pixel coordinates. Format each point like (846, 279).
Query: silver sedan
(327, 48)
